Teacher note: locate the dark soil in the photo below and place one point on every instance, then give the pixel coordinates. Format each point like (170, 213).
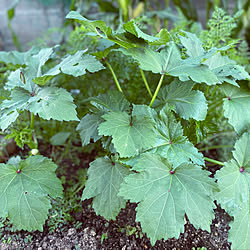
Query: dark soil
(124, 233)
(89, 231)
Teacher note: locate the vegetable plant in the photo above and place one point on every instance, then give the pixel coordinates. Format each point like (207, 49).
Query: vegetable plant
(151, 157)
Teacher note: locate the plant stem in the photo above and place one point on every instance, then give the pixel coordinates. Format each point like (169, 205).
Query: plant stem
(114, 76)
(145, 82)
(32, 120)
(215, 147)
(157, 90)
(214, 161)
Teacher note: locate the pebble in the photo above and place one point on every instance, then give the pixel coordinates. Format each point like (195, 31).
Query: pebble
(71, 232)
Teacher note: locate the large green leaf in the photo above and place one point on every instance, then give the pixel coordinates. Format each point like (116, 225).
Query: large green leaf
(103, 184)
(76, 65)
(165, 198)
(237, 107)
(25, 189)
(168, 61)
(170, 142)
(186, 102)
(234, 196)
(47, 102)
(131, 134)
(53, 103)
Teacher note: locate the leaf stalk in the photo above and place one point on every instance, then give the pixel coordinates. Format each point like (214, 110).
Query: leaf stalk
(214, 161)
(145, 82)
(114, 76)
(157, 90)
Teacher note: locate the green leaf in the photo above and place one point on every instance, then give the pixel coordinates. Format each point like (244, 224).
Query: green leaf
(168, 61)
(170, 142)
(226, 69)
(132, 28)
(239, 233)
(59, 138)
(9, 109)
(103, 184)
(77, 65)
(91, 25)
(48, 102)
(165, 198)
(234, 184)
(88, 128)
(24, 196)
(111, 101)
(163, 36)
(237, 107)
(130, 35)
(53, 103)
(131, 134)
(186, 102)
(16, 57)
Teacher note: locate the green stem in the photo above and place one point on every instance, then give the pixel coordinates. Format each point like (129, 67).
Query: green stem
(215, 147)
(114, 76)
(214, 161)
(32, 120)
(146, 83)
(157, 90)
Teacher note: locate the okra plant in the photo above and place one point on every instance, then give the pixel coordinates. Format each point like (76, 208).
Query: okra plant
(150, 158)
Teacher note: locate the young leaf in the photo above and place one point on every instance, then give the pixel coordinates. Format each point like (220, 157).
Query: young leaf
(165, 196)
(170, 142)
(168, 61)
(234, 184)
(130, 134)
(77, 65)
(186, 102)
(103, 184)
(55, 103)
(25, 189)
(237, 107)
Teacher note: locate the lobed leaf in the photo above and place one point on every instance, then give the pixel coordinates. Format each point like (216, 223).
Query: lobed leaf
(130, 134)
(24, 196)
(103, 184)
(186, 102)
(53, 103)
(168, 61)
(164, 198)
(170, 142)
(76, 65)
(234, 196)
(237, 107)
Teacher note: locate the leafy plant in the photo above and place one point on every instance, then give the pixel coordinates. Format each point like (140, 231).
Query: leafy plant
(151, 157)
(151, 162)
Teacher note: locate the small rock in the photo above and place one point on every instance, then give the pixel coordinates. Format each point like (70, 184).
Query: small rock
(71, 231)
